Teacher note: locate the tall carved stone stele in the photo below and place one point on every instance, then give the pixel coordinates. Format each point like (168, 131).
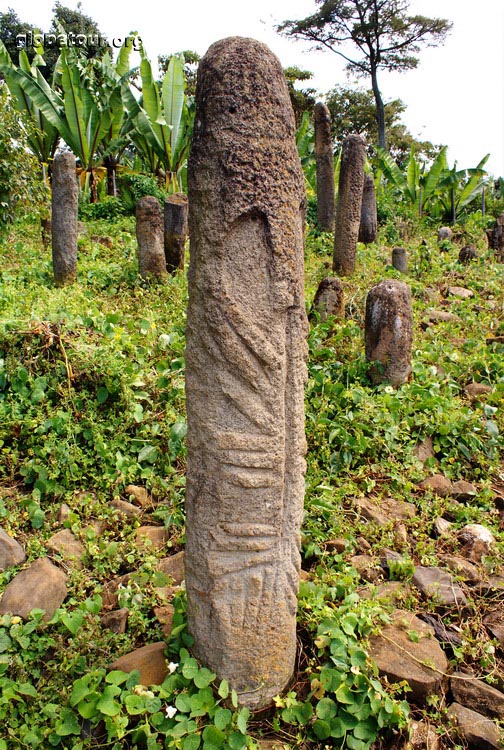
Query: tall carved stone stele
(65, 196)
(389, 325)
(369, 215)
(348, 212)
(150, 239)
(324, 159)
(176, 212)
(245, 371)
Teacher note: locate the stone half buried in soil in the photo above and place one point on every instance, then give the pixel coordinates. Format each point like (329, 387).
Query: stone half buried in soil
(11, 552)
(41, 586)
(477, 695)
(148, 660)
(476, 730)
(407, 650)
(439, 586)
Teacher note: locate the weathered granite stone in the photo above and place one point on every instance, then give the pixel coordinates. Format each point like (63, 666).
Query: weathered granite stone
(419, 661)
(348, 211)
(460, 292)
(65, 196)
(389, 323)
(369, 216)
(463, 491)
(176, 215)
(138, 495)
(126, 509)
(324, 160)
(150, 239)
(245, 371)
(400, 259)
(151, 537)
(475, 729)
(65, 544)
(438, 585)
(461, 567)
(329, 299)
(477, 695)
(441, 527)
(149, 660)
(11, 552)
(441, 316)
(366, 566)
(41, 586)
(384, 510)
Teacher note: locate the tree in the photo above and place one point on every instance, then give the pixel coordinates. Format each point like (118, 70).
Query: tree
(386, 37)
(10, 28)
(353, 110)
(302, 100)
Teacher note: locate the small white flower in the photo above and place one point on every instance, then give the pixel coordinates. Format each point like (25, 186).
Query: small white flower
(172, 667)
(170, 712)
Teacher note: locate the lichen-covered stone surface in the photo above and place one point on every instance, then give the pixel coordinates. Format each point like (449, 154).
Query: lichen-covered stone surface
(348, 211)
(324, 159)
(150, 239)
(65, 197)
(245, 371)
(389, 323)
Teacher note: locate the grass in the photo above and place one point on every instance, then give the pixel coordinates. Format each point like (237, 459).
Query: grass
(92, 400)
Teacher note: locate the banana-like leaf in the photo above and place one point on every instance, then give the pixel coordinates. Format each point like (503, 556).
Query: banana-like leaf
(430, 181)
(172, 98)
(413, 176)
(74, 110)
(390, 169)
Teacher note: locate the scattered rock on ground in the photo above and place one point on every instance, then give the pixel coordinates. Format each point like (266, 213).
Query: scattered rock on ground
(41, 586)
(421, 662)
(423, 736)
(441, 316)
(477, 695)
(384, 510)
(111, 590)
(475, 729)
(173, 566)
(64, 513)
(164, 616)
(477, 541)
(463, 491)
(149, 660)
(438, 585)
(392, 591)
(138, 495)
(126, 509)
(460, 292)
(441, 527)
(116, 620)
(438, 484)
(11, 552)
(337, 546)
(151, 537)
(461, 567)
(494, 623)
(67, 546)
(424, 450)
(365, 566)
(474, 390)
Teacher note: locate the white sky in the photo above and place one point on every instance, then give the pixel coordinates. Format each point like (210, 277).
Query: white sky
(454, 97)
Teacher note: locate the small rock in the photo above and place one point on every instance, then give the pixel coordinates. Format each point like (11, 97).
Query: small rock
(460, 292)
(11, 552)
(474, 390)
(463, 491)
(304, 575)
(467, 254)
(494, 623)
(489, 587)
(173, 566)
(438, 484)
(439, 585)
(477, 540)
(385, 510)
(362, 544)
(149, 660)
(64, 543)
(126, 509)
(444, 233)
(365, 566)
(477, 695)
(105, 241)
(139, 495)
(111, 590)
(166, 593)
(423, 736)
(64, 513)
(116, 620)
(441, 527)
(421, 661)
(475, 729)
(441, 316)
(151, 537)
(164, 616)
(336, 545)
(401, 538)
(41, 586)
(462, 567)
(391, 591)
(424, 450)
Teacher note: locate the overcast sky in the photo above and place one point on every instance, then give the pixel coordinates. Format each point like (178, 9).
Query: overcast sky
(454, 97)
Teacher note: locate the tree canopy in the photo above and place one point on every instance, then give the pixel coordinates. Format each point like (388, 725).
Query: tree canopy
(370, 35)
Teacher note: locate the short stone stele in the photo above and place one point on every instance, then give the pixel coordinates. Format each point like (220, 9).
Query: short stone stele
(150, 239)
(245, 371)
(369, 215)
(389, 323)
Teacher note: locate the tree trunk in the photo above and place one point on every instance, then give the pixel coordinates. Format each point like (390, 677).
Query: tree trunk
(111, 164)
(380, 110)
